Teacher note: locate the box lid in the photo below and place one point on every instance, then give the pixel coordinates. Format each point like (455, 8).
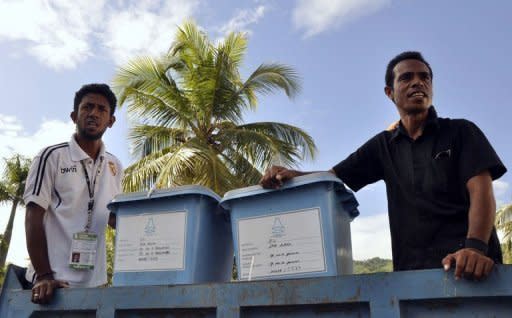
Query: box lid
(347, 198)
(162, 193)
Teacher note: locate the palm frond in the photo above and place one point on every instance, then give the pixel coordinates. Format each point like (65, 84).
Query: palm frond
(231, 51)
(292, 135)
(146, 85)
(269, 77)
(14, 176)
(245, 173)
(267, 143)
(144, 73)
(191, 45)
(147, 139)
(5, 196)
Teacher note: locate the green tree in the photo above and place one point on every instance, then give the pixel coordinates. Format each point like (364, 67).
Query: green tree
(12, 186)
(110, 237)
(504, 224)
(187, 110)
(373, 265)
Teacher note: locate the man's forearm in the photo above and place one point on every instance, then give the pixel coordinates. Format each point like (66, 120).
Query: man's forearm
(36, 240)
(482, 207)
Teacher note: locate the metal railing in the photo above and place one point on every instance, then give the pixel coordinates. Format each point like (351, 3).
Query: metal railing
(426, 293)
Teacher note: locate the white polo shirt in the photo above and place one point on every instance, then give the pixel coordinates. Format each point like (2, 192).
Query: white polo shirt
(57, 183)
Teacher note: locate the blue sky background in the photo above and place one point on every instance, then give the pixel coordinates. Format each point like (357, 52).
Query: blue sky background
(339, 47)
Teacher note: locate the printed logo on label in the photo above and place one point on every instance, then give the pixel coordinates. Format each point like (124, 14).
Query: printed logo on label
(150, 227)
(68, 170)
(278, 228)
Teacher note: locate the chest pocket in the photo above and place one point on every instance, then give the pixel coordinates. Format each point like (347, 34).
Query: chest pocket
(443, 169)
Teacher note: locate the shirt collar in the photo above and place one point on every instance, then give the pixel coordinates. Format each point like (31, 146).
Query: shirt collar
(78, 154)
(432, 122)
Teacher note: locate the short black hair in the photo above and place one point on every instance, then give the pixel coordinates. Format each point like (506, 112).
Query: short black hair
(96, 88)
(408, 55)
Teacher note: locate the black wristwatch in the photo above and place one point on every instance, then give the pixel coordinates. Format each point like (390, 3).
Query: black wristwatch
(477, 245)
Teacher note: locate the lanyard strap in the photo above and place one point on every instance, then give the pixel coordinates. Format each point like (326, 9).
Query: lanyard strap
(91, 188)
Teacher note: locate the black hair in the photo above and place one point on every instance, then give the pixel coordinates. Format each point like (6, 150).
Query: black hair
(95, 88)
(408, 55)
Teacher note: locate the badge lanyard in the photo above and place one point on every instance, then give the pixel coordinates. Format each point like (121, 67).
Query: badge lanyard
(91, 188)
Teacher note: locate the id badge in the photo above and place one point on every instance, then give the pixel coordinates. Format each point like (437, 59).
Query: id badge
(83, 251)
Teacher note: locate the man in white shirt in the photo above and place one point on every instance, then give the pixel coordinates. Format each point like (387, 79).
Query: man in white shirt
(67, 191)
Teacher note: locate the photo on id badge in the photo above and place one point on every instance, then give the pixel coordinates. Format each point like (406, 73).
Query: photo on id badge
(83, 251)
(75, 258)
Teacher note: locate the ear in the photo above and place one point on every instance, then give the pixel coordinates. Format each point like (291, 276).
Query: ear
(389, 93)
(73, 116)
(111, 121)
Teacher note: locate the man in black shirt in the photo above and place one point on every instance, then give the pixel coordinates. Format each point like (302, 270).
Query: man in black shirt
(438, 174)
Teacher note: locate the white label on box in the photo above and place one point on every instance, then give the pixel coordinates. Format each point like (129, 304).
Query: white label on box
(281, 244)
(149, 242)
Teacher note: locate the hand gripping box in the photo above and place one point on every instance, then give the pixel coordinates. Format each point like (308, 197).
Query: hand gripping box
(173, 236)
(300, 230)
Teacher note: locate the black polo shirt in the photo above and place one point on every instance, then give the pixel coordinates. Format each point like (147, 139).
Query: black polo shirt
(428, 201)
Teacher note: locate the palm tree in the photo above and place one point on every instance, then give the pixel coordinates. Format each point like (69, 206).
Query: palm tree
(187, 108)
(504, 223)
(12, 186)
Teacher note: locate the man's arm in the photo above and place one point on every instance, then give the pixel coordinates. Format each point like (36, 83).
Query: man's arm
(37, 247)
(472, 262)
(482, 208)
(112, 220)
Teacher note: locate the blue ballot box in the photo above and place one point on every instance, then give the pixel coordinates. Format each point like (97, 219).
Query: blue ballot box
(172, 236)
(300, 230)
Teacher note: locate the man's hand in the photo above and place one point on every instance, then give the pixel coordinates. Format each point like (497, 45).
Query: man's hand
(469, 263)
(276, 175)
(42, 292)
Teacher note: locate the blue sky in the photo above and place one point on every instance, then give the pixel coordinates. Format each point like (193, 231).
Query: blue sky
(339, 47)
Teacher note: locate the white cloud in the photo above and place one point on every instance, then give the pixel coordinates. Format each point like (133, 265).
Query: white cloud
(146, 27)
(501, 189)
(243, 19)
(371, 237)
(9, 125)
(62, 34)
(57, 32)
(316, 16)
(15, 141)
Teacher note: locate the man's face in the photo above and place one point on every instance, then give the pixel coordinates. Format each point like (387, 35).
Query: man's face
(412, 87)
(93, 116)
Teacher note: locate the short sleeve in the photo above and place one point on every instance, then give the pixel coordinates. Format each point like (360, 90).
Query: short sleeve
(476, 153)
(40, 181)
(362, 167)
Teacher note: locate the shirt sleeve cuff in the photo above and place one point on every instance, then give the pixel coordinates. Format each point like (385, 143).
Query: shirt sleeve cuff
(37, 200)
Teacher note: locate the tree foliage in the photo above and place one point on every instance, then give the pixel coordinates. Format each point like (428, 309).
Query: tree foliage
(187, 107)
(110, 237)
(373, 265)
(504, 224)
